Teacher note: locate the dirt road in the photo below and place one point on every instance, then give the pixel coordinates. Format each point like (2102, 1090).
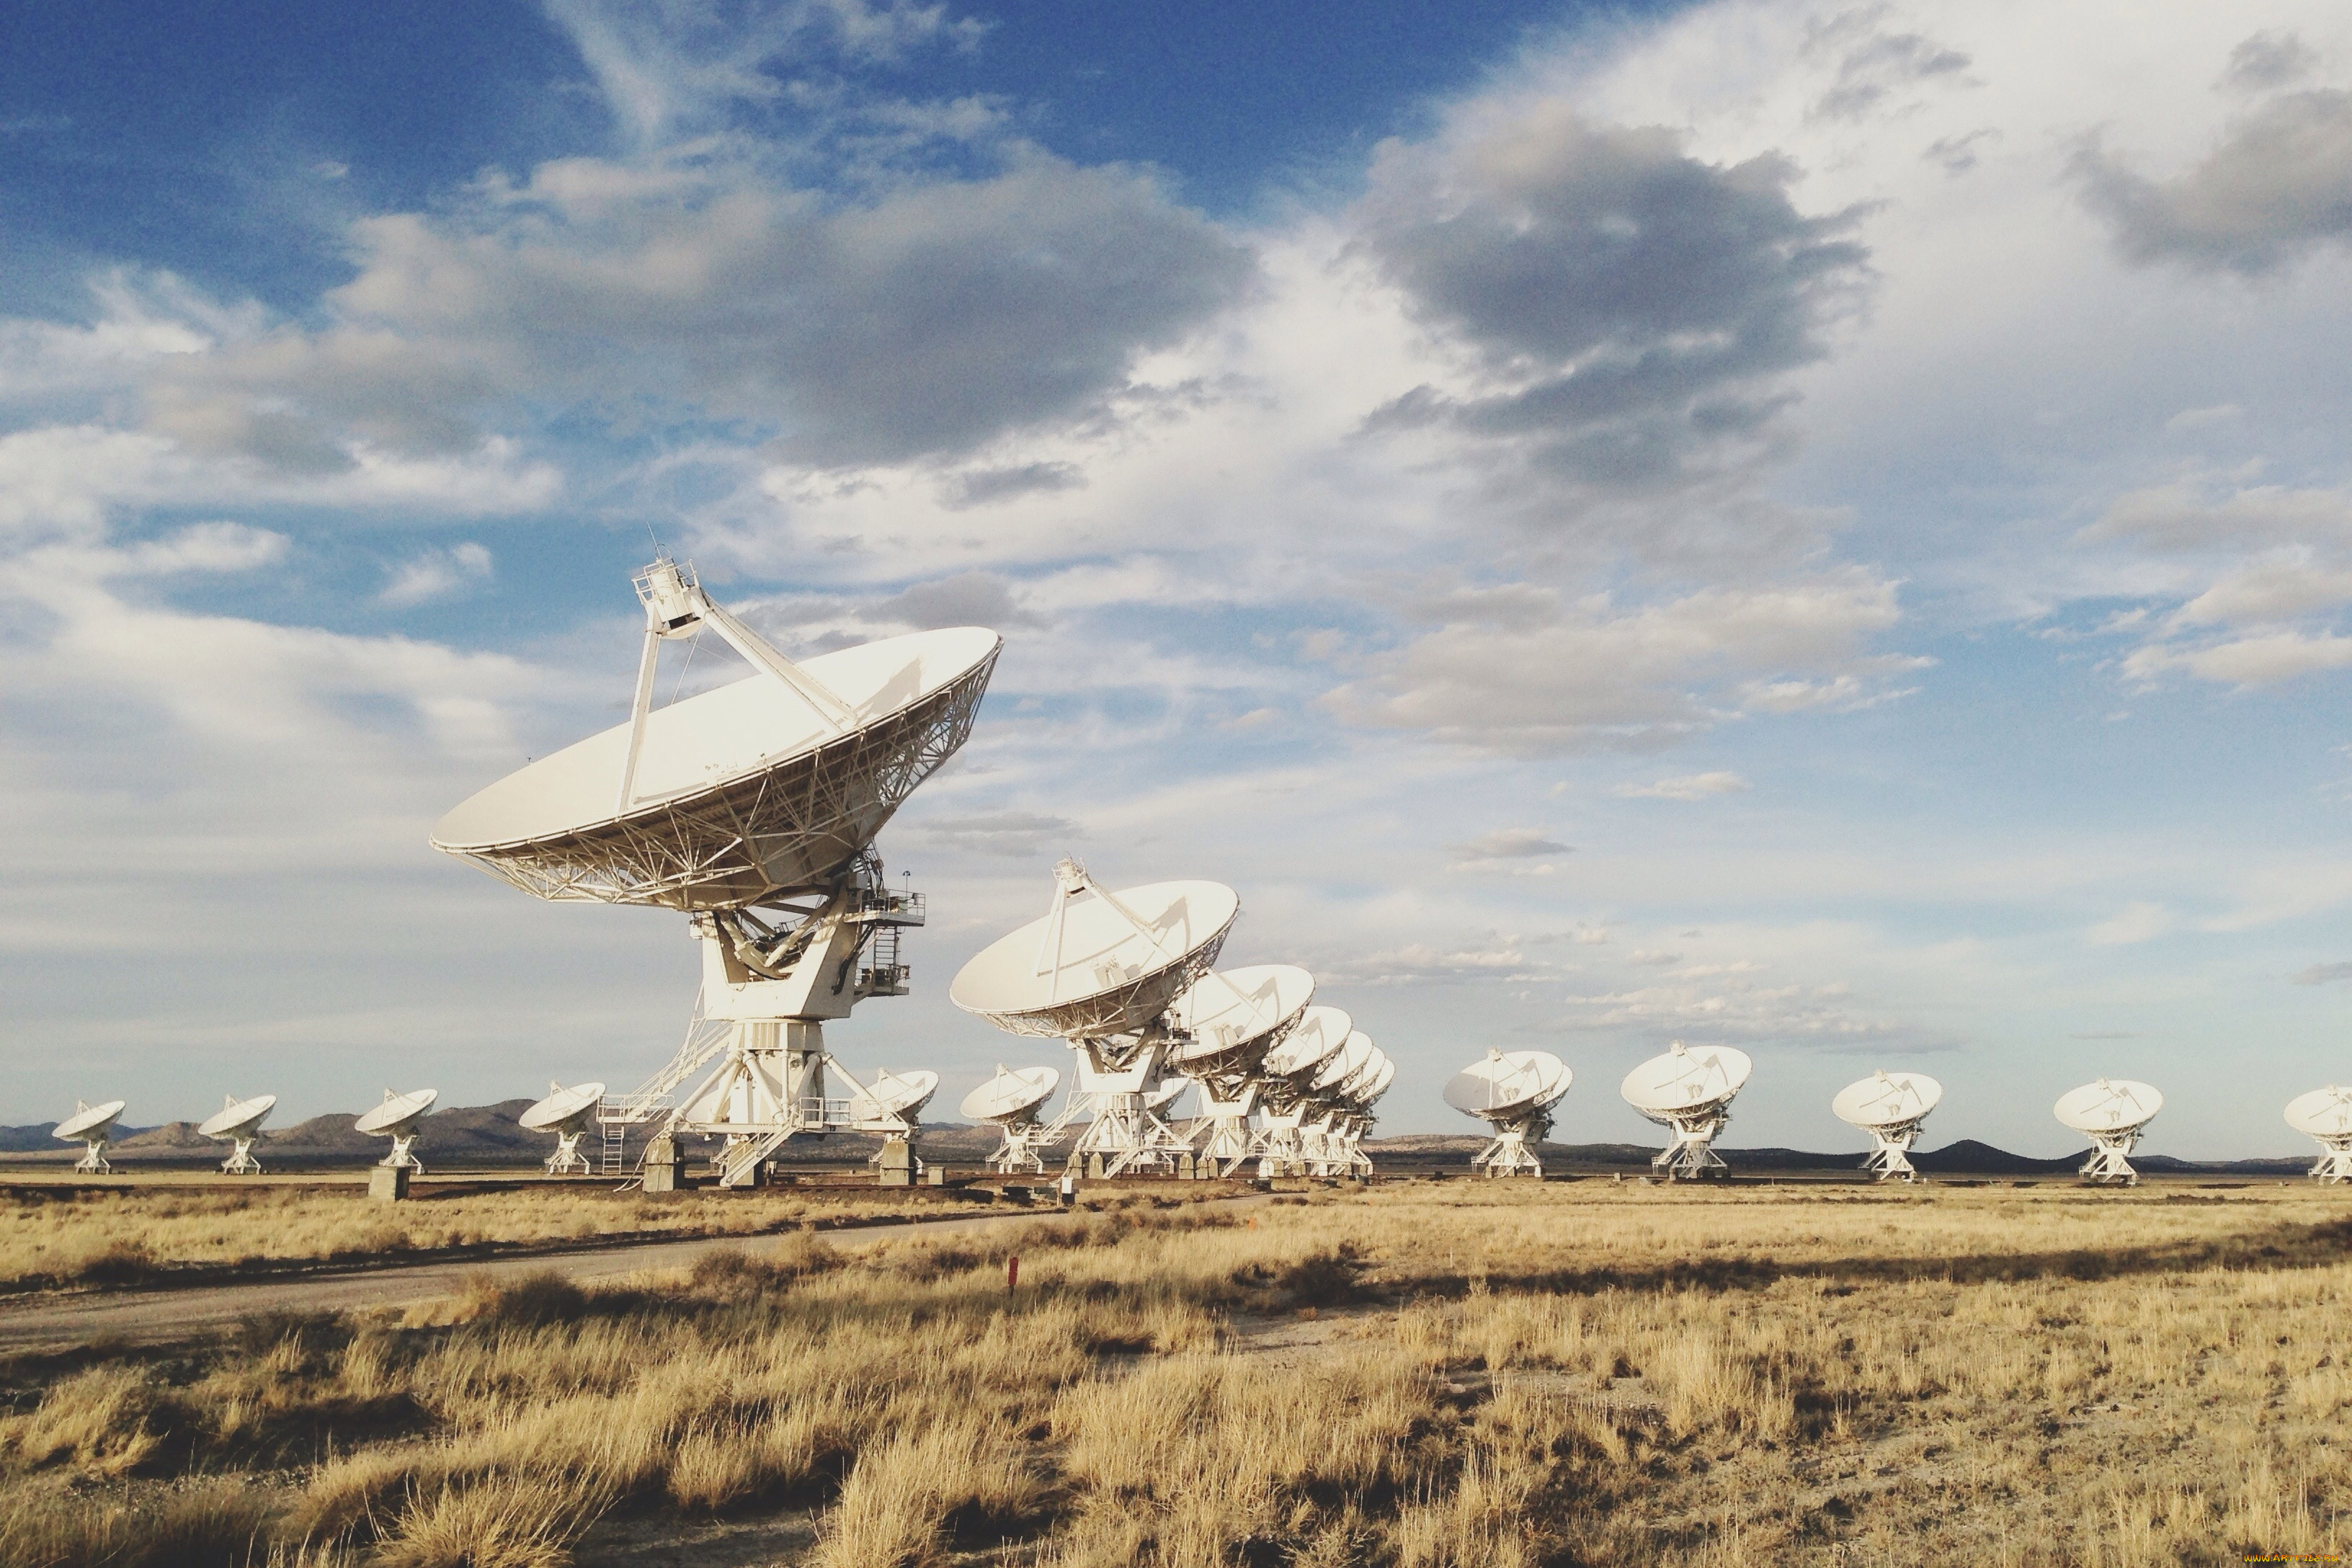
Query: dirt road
(39, 1324)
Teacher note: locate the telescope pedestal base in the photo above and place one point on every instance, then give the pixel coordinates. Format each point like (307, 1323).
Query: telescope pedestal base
(1508, 1155)
(2335, 1161)
(1692, 1153)
(93, 1162)
(2107, 1164)
(242, 1163)
(567, 1155)
(1891, 1158)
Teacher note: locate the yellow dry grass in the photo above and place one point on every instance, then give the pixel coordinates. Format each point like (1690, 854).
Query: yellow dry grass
(1425, 1375)
(71, 1237)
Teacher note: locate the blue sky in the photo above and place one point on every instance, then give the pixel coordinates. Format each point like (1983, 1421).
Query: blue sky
(1823, 529)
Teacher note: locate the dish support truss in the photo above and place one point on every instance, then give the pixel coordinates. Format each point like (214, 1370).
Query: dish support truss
(1891, 1153)
(2334, 1159)
(1113, 1087)
(1513, 1150)
(758, 1035)
(241, 1161)
(567, 1157)
(1225, 1116)
(1690, 1155)
(2109, 1159)
(93, 1160)
(1022, 1149)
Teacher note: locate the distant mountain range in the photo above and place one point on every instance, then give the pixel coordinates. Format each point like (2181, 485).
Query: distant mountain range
(489, 1135)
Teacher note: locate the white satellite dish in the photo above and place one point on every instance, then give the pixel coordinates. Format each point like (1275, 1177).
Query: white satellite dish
(396, 1118)
(1101, 970)
(2113, 1113)
(1010, 1100)
(238, 1122)
(765, 792)
(1320, 1034)
(1513, 1092)
(567, 1114)
(1234, 1016)
(1098, 965)
(1354, 1054)
(893, 1102)
(1690, 1091)
(2325, 1114)
(1892, 1107)
(90, 1126)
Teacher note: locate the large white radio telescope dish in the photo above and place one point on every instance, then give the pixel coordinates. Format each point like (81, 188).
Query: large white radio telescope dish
(238, 1123)
(1232, 1017)
(1355, 1053)
(1098, 966)
(1320, 1034)
(1506, 1083)
(396, 1118)
(2321, 1113)
(2111, 1112)
(2110, 1105)
(893, 1096)
(2325, 1114)
(566, 1112)
(1513, 1092)
(740, 793)
(1013, 1095)
(90, 1126)
(1689, 1090)
(1886, 1100)
(90, 1121)
(1687, 1080)
(1891, 1107)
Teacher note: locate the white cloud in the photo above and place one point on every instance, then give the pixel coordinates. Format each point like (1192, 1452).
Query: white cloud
(437, 575)
(1688, 786)
(2135, 922)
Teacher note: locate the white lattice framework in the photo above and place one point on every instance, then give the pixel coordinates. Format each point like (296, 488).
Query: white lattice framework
(1890, 1155)
(2110, 1160)
(1690, 1153)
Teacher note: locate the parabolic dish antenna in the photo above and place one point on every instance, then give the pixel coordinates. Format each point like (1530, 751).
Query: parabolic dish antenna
(2111, 1112)
(1354, 1054)
(1012, 1099)
(90, 1126)
(1378, 1084)
(1887, 1099)
(1508, 1082)
(566, 1112)
(1891, 1107)
(1234, 1016)
(2325, 1114)
(2110, 1105)
(753, 790)
(1690, 1091)
(1351, 1089)
(238, 1123)
(1684, 1081)
(893, 1098)
(1320, 1034)
(1097, 967)
(1513, 1092)
(765, 793)
(1013, 1095)
(396, 1118)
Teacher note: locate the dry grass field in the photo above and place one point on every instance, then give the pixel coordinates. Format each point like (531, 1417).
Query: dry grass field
(57, 1235)
(1429, 1374)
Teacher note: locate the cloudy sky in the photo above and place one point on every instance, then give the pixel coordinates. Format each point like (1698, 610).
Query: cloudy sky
(1823, 529)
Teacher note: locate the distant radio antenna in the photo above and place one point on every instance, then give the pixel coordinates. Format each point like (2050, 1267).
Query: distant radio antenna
(1893, 1108)
(92, 1126)
(238, 1123)
(2113, 1113)
(2325, 1114)
(566, 1112)
(1690, 1091)
(396, 1118)
(1513, 1092)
